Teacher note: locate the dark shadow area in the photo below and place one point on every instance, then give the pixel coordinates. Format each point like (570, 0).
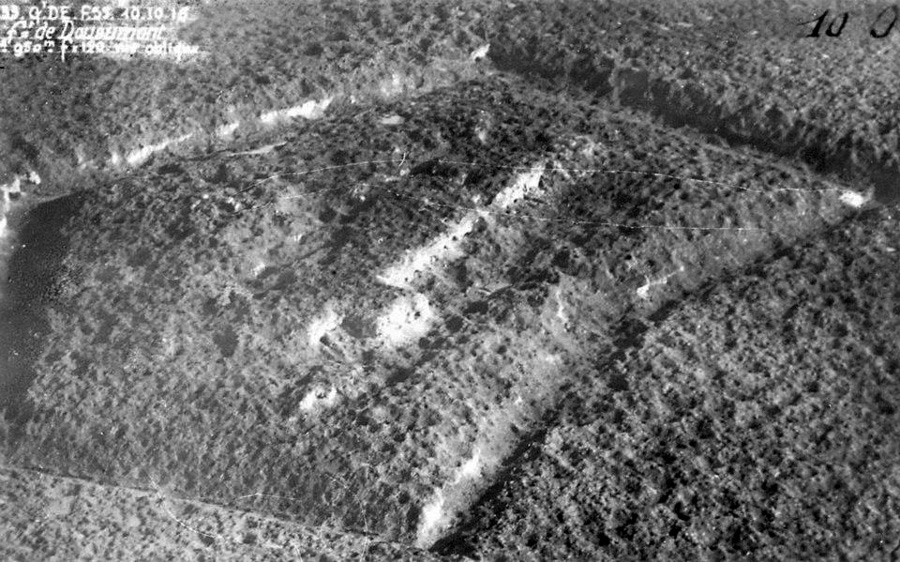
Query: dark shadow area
(459, 542)
(33, 277)
(849, 158)
(628, 333)
(491, 502)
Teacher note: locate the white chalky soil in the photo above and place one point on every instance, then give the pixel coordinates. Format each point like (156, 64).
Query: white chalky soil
(8, 206)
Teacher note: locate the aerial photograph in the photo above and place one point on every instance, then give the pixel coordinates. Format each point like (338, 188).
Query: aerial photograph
(450, 280)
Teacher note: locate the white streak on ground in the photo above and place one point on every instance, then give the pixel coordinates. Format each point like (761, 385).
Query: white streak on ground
(261, 150)
(311, 109)
(480, 52)
(525, 185)
(392, 87)
(322, 325)
(139, 156)
(7, 239)
(854, 199)
(643, 292)
(433, 256)
(433, 519)
(561, 308)
(470, 469)
(227, 130)
(408, 319)
(494, 443)
(391, 120)
(317, 399)
(437, 515)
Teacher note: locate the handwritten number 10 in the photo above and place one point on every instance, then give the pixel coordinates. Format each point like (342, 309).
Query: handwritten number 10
(832, 31)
